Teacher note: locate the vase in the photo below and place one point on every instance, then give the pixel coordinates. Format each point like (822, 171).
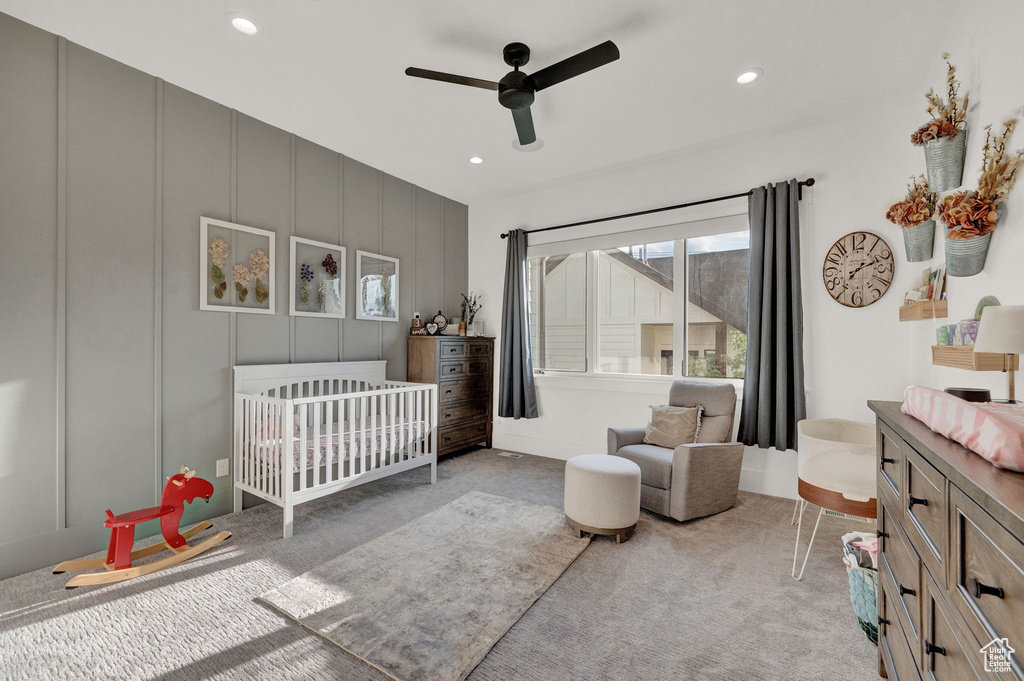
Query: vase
(329, 295)
(919, 241)
(944, 161)
(966, 257)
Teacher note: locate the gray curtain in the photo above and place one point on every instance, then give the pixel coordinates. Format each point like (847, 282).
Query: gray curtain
(773, 387)
(517, 396)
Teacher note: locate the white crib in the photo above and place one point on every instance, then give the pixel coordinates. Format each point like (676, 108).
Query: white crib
(302, 431)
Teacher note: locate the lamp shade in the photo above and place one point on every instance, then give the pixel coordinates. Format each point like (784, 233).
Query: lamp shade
(1001, 330)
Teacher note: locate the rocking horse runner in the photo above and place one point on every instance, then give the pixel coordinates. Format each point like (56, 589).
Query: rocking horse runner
(181, 488)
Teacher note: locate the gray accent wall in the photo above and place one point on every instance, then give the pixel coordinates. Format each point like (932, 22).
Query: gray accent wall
(110, 376)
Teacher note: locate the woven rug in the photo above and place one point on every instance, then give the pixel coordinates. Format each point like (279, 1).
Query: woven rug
(427, 601)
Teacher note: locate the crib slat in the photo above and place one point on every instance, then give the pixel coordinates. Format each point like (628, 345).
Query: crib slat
(391, 415)
(419, 417)
(266, 432)
(251, 449)
(275, 450)
(331, 439)
(317, 429)
(362, 433)
(303, 445)
(350, 425)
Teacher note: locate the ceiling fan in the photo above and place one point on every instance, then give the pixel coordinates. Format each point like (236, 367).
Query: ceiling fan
(516, 89)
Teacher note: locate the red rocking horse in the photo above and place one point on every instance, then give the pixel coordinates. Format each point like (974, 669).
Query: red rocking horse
(181, 488)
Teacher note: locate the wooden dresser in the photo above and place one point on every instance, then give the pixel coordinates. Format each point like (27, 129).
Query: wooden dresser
(462, 367)
(951, 568)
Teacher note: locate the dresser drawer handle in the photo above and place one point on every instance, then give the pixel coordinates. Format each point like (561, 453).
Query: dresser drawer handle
(887, 460)
(447, 439)
(982, 589)
(453, 349)
(447, 416)
(904, 591)
(931, 649)
(882, 620)
(914, 500)
(448, 392)
(882, 535)
(453, 370)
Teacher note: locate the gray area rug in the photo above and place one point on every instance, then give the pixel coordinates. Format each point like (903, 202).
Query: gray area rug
(428, 600)
(706, 599)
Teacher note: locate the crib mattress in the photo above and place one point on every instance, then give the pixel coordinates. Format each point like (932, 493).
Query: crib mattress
(377, 437)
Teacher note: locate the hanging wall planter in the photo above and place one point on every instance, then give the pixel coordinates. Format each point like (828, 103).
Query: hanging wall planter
(966, 257)
(944, 137)
(944, 161)
(919, 241)
(915, 214)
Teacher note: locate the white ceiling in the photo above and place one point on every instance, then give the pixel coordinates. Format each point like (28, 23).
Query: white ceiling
(332, 72)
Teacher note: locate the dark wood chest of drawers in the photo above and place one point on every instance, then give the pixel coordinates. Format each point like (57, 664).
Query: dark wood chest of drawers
(951, 561)
(462, 367)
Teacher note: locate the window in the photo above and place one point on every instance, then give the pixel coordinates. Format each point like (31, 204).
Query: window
(623, 311)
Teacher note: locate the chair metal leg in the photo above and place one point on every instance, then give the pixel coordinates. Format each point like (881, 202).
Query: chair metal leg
(810, 545)
(800, 522)
(799, 502)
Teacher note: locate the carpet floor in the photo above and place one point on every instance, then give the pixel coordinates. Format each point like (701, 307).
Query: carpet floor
(707, 599)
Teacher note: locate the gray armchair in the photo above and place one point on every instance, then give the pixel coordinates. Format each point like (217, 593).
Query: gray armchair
(692, 480)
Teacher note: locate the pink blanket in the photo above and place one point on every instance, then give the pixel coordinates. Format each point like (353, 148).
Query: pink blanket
(995, 431)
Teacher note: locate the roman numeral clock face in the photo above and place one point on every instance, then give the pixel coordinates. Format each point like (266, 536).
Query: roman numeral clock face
(858, 269)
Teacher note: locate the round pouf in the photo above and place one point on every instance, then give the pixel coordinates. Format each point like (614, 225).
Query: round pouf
(602, 495)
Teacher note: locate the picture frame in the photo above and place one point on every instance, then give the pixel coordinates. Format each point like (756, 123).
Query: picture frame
(374, 301)
(229, 253)
(313, 290)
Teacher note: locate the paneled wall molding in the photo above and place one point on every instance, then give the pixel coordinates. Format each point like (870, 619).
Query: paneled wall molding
(138, 380)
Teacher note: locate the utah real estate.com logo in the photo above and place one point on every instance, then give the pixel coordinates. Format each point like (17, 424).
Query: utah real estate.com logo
(997, 655)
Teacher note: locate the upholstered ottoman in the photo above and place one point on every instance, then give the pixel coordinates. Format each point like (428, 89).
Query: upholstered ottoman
(602, 495)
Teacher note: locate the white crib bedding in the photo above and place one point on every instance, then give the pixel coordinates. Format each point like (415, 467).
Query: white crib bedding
(379, 433)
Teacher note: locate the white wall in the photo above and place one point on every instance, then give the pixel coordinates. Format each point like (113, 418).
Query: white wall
(861, 165)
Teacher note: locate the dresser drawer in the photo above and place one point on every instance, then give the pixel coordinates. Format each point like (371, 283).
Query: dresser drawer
(478, 367)
(893, 646)
(987, 579)
(460, 389)
(457, 414)
(454, 369)
(457, 349)
(479, 349)
(947, 654)
(925, 512)
(449, 438)
(890, 460)
(903, 568)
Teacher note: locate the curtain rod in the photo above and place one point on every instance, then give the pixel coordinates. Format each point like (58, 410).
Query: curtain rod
(809, 182)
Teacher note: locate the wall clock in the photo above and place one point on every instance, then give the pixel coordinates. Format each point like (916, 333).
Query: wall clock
(440, 320)
(858, 269)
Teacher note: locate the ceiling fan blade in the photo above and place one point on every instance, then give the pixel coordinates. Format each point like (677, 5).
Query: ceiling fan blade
(587, 60)
(524, 125)
(451, 78)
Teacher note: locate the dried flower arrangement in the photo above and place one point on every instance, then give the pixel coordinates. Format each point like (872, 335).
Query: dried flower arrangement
(916, 208)
(259, 266)
(240, 274)
(219, 254)
(470, 306)
(330, 265)
(973, 213)
(306, 275)
(948, 118)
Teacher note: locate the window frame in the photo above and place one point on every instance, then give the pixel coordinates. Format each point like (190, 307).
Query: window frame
(592, 375)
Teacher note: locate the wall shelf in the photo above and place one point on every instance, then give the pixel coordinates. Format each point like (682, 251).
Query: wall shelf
(925, 309)
(964, 357)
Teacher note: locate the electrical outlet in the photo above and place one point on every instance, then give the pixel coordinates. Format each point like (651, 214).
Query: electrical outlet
(222, 467)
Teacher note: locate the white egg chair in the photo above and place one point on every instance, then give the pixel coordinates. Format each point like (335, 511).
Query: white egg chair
(835, 471)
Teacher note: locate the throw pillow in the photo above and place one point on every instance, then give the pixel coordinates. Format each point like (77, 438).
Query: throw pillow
(673, 426)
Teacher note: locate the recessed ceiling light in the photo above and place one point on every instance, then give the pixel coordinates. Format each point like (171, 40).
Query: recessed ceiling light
(537, 145)
(749, 76)
(476, 160)
(245, 25)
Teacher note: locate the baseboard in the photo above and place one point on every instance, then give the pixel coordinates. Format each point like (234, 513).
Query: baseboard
(32, 553)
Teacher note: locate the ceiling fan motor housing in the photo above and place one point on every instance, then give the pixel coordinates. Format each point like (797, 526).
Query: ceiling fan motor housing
(514, 91)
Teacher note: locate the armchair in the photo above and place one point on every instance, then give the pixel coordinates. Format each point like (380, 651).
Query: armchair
(692, 480)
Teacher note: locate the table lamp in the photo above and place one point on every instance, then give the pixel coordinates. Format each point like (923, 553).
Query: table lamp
(1002, 332)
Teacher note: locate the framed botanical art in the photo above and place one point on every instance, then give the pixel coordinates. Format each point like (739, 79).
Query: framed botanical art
(316, 281)
(376, 287)
(236, 272)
